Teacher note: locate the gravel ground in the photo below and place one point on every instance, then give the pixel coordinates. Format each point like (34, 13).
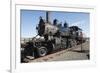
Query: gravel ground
(74, 53)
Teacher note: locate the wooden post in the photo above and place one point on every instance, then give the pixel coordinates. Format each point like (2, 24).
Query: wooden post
(81, 35)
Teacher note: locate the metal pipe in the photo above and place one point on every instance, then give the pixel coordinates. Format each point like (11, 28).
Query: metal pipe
(47, 16)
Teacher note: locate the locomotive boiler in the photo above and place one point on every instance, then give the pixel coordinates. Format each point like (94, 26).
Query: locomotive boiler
(55, 37)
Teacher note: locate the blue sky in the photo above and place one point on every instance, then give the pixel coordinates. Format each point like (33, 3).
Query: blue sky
(30, 19)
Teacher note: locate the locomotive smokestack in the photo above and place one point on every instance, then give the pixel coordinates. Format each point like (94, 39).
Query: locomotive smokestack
(47, 16)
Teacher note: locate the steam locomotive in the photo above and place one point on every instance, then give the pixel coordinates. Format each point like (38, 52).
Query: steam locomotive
(55, 37)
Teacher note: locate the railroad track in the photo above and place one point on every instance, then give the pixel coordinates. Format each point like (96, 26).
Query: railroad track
(64, 53)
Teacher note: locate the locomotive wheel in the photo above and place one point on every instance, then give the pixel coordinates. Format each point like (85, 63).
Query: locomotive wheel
(50, 48)
(42, 51)
(73, 43)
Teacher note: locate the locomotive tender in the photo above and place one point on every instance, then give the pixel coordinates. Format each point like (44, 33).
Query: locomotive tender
(55, 37)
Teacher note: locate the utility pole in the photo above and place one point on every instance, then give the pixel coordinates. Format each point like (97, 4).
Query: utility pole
(81, 41)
